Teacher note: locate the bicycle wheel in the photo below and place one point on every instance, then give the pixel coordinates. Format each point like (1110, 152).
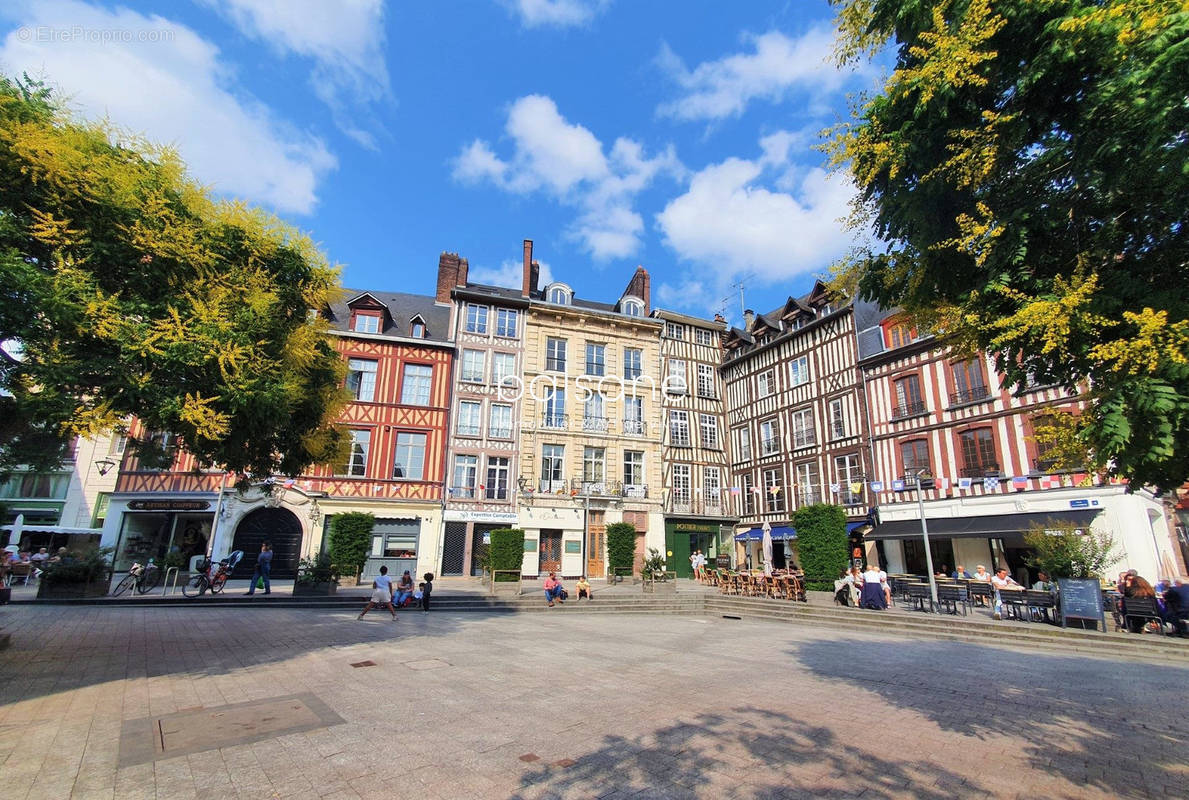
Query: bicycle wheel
(218, 583)
(195, 586)
(123, 585)
(150, 581)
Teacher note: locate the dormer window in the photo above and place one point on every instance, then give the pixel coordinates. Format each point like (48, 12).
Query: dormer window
(826, 310)
(362, 322)
(633, 307)
(560, 294)
(418, 330)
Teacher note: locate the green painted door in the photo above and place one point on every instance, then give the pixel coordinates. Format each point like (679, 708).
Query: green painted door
(678, 545)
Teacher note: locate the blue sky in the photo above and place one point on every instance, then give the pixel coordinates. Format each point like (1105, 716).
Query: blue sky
(680, 136)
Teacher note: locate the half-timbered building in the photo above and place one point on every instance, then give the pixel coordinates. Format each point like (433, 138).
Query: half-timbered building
(796, 417)
(698, 504)
(952, 419)
(399, 357)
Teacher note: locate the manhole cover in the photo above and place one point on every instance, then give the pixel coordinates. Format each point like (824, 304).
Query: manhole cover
(429, 663)
(193, 731)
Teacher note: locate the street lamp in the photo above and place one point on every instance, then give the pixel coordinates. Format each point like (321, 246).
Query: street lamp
(924, 480)
(104, 465)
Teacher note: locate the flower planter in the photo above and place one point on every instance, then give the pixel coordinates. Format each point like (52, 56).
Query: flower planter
(322, 589)
(64, 590)
(662, 586)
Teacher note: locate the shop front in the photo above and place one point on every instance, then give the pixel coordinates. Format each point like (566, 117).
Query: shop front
(553, 539)
(683, 537)
(466, 538)
(161, 529)
(749, 544)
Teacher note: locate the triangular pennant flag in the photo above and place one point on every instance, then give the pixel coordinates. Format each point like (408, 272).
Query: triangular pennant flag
(963, 483)
(941, 483)
(990, 483)
(856, 487)
(1019, 480)
(877, 486)
(897, 486)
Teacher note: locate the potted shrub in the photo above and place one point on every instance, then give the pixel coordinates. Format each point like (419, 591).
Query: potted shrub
(656, 578)
(316, 577)
(621, 550)
(821, 544)
(351, 542)
(77, 575)
(506, 557)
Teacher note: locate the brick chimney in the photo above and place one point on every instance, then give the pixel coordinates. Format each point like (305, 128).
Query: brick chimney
(641, 286)
(450, 269)
(720, 319)
(530, 274)
(749, 319)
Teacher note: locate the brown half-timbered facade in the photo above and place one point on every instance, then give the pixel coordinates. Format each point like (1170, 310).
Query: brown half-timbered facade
(953, 419)
(399, 355)
(796, 418)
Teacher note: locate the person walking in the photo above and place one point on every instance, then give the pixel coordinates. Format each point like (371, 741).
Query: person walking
(263, 569)
(381, 594)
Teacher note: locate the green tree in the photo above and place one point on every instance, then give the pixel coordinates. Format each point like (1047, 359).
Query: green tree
(506, 552)
(1025, 168)
(351, 540)
(1064, 551)
(621, 547)
(821, 544)
(126, 290)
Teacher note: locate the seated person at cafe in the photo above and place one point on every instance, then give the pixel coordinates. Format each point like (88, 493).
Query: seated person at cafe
(842, 588)
(960, 573)
(1176, 604)
(873, 589)
(1043, 583)
(584, 589)
(1003, 583)
(981, 574)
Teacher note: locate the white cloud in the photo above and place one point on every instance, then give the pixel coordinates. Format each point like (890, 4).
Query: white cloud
(557, 13)
(345, 39)
(509, 273)
(159, 78)
(777, 64)
(730, 221)
(567, 162)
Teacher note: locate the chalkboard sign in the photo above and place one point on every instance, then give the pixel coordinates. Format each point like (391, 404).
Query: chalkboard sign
(722, 561)
(1081, 599)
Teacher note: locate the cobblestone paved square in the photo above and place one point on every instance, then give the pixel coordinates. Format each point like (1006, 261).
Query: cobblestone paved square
(582, 706)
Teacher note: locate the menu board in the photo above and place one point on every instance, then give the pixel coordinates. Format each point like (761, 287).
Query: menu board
(723, 561)
(1081, 599)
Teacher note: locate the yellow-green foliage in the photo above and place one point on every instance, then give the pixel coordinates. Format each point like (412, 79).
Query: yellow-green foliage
(133, 292)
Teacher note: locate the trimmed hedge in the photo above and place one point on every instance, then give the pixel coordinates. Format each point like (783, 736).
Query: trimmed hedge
(506, 552)
(350, 540)
(621, 546)
(821, 544)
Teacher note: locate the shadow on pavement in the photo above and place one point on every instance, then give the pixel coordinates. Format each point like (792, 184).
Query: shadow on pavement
(1074, 713)
(706, 756)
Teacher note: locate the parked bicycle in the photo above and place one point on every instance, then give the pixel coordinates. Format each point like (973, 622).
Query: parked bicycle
(144, 579)
(212, 576)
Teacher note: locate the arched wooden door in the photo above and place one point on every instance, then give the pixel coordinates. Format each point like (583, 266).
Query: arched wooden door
(277, 525)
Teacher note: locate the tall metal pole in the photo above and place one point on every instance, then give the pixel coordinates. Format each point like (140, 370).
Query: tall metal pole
(925, 536)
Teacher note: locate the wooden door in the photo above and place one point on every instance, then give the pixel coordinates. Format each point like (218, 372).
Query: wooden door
(596, 545)
(550, 551)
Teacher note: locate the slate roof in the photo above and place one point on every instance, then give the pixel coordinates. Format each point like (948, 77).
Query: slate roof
(401, 308)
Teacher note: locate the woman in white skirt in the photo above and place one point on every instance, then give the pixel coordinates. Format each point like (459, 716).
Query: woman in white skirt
(381, 594)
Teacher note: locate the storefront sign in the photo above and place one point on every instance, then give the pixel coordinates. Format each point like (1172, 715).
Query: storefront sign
(168, 505)
(479, 516)
(1083, 503)
(695, 527)
(723, 561)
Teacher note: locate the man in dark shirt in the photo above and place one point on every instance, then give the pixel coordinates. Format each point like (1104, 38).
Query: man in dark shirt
(1176, 602)
(263, 568)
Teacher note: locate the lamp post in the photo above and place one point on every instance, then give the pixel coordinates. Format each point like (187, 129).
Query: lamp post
(104, 465)
(922, 477)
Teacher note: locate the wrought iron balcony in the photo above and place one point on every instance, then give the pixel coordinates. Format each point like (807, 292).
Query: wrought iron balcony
(595, 424)
(635, 427)
(808, 498)
(972, 395)
(555, 364)
(547, 486)
(549, 420)
(462, 492)
(638, 491)
(467, 430)
(988, 469)
(909, 409)
(589, 488)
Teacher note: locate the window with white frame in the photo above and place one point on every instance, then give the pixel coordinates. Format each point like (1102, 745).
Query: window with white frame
(712, 486)
(507, 323)
(596, 358)
(773, 490)
(594, 414)
(594, 465)
(837, 419)
(747, 487)
(633, 307)
(849, 477)
(633, 468)
(633, 415)
(474, 366)
(799, 371)
(769, 437)
(555, 354)
(676, 383)
(409, 463)
(356, 465)
(469, 416)
(466, 467)
(503, 369)
(708, 426)
(499, 421)
(674, 330)
(476, 318)
(632, 359)
(808, 484)
(559, 295)
(415, 384)
(366, 323)
(497, 477)
(678, 427)
(361, 378)
(706, 381)
(703, 336)
(804, 434)
(681, 484)
(742, 444)
(766, 383)
(552, 466)
(555, 407)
